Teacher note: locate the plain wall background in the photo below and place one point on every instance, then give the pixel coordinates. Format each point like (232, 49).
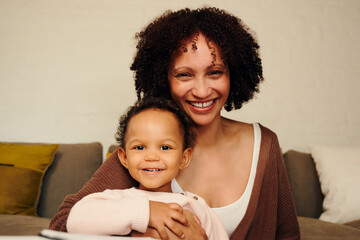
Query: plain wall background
(65, 78)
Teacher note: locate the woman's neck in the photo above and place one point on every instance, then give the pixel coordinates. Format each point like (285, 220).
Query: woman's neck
(210, 134)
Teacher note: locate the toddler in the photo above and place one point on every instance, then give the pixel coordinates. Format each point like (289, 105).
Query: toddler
(156, 142)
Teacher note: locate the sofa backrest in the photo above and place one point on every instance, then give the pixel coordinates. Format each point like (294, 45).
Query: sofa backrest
(304, 183)
(73, 166)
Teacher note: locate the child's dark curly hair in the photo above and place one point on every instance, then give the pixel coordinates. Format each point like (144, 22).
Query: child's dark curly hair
(158, 42)
(149, 102)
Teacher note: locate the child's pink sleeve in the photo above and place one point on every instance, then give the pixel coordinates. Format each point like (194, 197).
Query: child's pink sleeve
(112, 212)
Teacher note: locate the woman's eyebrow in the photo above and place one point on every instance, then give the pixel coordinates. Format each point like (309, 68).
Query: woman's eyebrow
(216, 65)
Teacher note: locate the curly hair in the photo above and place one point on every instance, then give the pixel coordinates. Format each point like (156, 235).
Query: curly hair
(162, 104)
(158, 42)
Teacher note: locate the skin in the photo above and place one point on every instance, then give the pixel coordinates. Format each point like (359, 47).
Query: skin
(154, 151)
(224, 147)
(199, 84)
(196, 78)
(154, 155)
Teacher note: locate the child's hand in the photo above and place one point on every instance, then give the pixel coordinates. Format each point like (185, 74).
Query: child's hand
(165, 214)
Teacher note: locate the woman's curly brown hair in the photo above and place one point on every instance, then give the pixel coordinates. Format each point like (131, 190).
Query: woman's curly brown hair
(158, 42)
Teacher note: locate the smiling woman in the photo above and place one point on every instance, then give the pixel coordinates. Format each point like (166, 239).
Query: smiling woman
(205, 60)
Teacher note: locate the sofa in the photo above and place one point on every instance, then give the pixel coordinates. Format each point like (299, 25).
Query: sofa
(305, 186)
(72, 166)
(64, 177)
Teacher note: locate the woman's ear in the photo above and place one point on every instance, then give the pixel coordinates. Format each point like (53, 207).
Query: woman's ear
(186, 158)
(122, 156)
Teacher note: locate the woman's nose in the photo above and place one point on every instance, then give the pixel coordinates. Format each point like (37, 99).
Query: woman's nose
(201, 88)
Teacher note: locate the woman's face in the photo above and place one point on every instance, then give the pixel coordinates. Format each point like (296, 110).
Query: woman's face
(199, 80)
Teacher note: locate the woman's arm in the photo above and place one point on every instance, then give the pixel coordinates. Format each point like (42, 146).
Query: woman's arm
(111, 175)
(287, 223)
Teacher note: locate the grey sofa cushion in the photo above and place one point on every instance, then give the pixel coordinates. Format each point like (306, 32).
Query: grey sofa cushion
(11, 225)
(316, 229)
(304, 183)
(73, 166)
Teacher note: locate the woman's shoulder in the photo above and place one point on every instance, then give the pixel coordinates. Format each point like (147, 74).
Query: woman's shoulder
(234, 126)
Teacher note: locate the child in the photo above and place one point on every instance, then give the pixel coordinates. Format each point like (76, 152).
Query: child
(155, 139)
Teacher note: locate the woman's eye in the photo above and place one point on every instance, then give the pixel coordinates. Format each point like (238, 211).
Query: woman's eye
(217, 72)
(165, 148)
(139, 148)
(182, 75)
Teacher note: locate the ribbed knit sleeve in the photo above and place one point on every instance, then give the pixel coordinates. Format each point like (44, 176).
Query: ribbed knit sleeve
(287, 223)
(111, 175)
(112, 212)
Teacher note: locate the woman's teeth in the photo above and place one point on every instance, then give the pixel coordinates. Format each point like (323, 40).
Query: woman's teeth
(202, 105)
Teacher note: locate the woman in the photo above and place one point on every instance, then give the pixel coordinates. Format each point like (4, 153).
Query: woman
(205, 60)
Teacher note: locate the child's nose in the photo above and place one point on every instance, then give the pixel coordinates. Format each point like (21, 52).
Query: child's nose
(152, 156)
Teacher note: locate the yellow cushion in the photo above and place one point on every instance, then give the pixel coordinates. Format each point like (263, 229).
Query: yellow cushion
(22, 168)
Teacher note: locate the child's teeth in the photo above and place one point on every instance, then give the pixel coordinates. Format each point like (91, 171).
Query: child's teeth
(152, 170)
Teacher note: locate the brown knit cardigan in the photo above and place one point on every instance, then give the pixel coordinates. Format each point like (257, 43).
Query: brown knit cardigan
(270, 213)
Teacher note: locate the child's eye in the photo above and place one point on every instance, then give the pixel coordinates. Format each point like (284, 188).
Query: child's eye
(139, 148)
(165, 147)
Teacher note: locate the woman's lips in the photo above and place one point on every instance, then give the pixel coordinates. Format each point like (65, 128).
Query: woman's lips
(202, 107)
(202, 104)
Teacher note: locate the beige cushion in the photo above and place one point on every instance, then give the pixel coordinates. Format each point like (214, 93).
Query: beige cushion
(338, 169)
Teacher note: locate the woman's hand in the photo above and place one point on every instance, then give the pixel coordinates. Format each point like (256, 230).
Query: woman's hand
(167, 215)
(193, 231)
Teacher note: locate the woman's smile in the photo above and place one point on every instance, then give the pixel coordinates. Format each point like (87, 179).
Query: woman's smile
(202, 104)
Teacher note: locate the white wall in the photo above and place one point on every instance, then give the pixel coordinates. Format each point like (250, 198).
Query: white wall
(65, 78)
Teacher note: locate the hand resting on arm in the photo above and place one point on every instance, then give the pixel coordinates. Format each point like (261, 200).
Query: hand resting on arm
(192, 231)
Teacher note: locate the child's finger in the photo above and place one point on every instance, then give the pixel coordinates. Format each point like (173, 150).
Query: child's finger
(176, 207)
(180, 217)
(174, 227)
(162, 232)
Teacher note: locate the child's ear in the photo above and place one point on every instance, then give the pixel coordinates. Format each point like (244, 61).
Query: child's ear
(122, 156)
(186, 158)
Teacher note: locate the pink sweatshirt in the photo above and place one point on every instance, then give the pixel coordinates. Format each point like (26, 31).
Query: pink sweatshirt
(118, 212)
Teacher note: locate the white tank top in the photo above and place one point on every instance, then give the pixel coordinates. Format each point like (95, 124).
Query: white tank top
(232, 214)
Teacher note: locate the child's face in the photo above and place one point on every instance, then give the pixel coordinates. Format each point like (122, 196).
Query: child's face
(154, 149)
